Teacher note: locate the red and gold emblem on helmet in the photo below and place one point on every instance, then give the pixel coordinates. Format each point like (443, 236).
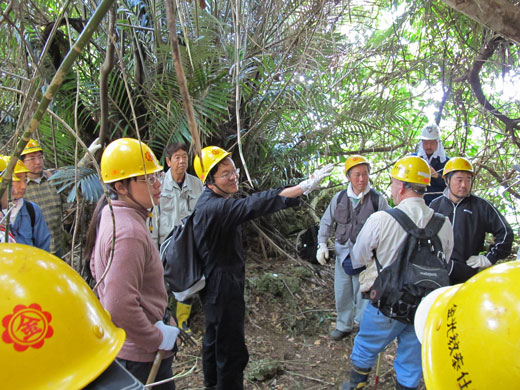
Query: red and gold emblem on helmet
(148, 156)
(27, 326)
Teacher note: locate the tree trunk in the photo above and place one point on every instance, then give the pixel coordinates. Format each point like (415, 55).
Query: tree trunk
(499, 15)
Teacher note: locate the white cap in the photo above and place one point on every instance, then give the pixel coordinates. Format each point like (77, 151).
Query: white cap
(430, 132)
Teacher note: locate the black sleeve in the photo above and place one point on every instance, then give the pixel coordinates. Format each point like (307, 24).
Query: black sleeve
(502, 232)
(236, 211)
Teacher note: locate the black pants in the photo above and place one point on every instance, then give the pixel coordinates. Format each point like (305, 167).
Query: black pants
(141, 370)
(224, 351)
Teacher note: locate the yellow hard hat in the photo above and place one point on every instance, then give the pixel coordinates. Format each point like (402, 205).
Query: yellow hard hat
(457, 164)
(18, 168)
(55, 333)
(31, 147)
(411, 169)
(124, 157)
(211, 156)
(3, 165)
(470, 337)
(354, 160)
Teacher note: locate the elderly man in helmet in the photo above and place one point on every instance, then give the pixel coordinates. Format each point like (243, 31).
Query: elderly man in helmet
(22, 218)
(218, 217)
(383, 235)
(472, 218)
(430, 148)
(348, 209)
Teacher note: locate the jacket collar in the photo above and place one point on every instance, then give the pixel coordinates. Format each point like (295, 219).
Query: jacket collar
(351, 193)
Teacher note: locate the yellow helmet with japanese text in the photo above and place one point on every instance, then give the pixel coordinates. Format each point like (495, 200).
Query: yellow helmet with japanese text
(31, 147)
(211, 156)
(127, 157)
(412, 169)
(18, 168)
(470, 336)
(354, 160)
(458, 164)
(55, 333)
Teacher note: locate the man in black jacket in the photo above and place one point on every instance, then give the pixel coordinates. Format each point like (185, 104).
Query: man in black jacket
(218, 237)
(471, 217)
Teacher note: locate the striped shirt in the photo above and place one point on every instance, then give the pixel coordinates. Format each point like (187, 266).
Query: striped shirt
(44, 194)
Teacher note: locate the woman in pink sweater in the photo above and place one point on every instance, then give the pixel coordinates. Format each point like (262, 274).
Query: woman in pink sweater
(128, 269)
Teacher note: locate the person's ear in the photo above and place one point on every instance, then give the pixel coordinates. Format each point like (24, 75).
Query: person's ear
(121, 188)
(168, 162)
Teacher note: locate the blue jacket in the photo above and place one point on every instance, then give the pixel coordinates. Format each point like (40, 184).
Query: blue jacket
(37, 235)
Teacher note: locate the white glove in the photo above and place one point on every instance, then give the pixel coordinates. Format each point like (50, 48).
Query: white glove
(93, 148)
(315, 179)
(169, 335)
(478, 261)
(322, 255)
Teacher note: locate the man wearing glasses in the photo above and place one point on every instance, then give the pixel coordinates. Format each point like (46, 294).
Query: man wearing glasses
(217, 232)
(179, 194)
(42, 192)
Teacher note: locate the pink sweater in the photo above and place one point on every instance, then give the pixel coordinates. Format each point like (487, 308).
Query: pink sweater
(133, 291)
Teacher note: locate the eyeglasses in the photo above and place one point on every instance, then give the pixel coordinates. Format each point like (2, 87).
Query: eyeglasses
(229, 175)
(152, 179)
(32, 159)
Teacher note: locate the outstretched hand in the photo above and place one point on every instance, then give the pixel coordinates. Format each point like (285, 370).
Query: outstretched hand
(314, 180)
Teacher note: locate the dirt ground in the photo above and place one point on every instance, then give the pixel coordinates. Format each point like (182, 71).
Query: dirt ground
(290, 314)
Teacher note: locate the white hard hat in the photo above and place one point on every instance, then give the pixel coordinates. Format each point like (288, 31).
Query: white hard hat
(430, 132)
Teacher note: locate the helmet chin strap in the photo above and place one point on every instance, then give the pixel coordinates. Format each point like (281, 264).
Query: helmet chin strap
(221, 190)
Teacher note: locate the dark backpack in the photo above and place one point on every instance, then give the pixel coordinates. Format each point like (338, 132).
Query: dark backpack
(182, 265)
(420, 268)
(309, 244)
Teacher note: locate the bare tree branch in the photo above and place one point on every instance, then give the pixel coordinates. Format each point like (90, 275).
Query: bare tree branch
(474, 80)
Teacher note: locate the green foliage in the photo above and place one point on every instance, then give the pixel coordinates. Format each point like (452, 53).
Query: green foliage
(318, 81)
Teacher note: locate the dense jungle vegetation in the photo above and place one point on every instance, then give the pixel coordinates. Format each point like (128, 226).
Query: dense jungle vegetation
(285, 85)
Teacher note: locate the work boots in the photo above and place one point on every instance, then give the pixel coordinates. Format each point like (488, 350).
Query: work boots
(358, 378)
(183, 313)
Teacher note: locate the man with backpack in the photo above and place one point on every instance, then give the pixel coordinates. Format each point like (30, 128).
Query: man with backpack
(217, 221)
(23, 218)
(349, 209)
(378, 246)
(472, 218)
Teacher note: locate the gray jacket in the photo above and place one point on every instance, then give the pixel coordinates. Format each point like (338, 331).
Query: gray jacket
(175, 204)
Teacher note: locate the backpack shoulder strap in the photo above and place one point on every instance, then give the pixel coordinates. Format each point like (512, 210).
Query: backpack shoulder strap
(341, 196)
(404, 220)
(435, 224)
(30, 210)
(374, 197)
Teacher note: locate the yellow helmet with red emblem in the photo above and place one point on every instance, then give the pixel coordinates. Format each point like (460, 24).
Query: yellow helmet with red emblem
(412, 169)
(127, 157)
(55, 333)
(211, 156)
(32, 147)
(355, 160)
